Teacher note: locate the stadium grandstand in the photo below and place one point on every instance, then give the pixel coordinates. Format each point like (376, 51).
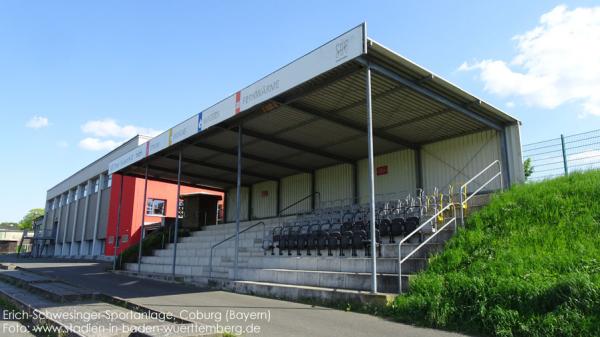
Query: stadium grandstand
(340, 173)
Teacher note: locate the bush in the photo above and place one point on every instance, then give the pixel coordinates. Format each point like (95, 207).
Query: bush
(526, 265)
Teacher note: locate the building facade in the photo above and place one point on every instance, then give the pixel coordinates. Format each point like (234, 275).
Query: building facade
(82, 211)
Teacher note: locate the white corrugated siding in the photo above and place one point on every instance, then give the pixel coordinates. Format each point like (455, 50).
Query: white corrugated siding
(335, 185)
(232, 204)
(515, 157)
(455, 161)
(294, 188)
(400, 178)
(264, 199)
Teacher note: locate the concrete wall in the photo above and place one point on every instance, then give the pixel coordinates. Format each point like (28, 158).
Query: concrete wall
(91, 217)
(103, 218)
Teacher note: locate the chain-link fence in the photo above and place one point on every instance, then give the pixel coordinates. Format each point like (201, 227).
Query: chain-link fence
(559, 156)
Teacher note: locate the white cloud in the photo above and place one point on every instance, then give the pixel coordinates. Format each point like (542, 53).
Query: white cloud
(109, 128)
(107, 134)
(556, 62)
(37, 122)
(95, 144)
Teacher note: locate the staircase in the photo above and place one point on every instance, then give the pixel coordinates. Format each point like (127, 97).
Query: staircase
(281, 276)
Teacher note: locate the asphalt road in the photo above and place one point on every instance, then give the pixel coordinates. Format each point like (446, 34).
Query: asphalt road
(271, 317)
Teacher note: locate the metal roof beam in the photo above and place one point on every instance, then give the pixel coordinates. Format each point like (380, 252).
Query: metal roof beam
(233, 152)
(363, 101)
(187, 160)
(355, 126)
(191, 175)
(416, 119)
(183, 183)
(296, 146)
(415, 86)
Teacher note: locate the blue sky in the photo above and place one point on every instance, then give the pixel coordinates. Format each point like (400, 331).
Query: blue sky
(79, 77)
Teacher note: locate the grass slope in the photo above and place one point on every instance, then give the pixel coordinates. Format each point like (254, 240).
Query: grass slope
(526, 265)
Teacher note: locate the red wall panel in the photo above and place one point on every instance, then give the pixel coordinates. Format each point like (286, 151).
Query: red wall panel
(133, 205)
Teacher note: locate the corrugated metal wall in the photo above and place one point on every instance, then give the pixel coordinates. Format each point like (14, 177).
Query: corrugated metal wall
(231, 204)
(399, 180)
(91, 216)
(103, 220)
(456, 160)
(294, 188)
(515, 157)
(335, 185)
(80, 218)
(264, 199)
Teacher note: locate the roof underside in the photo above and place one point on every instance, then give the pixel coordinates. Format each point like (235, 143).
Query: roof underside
(323, 122)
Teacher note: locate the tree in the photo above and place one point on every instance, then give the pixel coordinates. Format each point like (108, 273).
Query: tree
(27, 221)
(528, 168)
(8, 225)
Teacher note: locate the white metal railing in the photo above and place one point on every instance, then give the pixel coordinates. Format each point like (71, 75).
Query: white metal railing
(417, 230)
(464, 199)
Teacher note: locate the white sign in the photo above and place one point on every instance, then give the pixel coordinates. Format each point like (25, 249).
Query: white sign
(184, 130)
(159, 142)
(338, 51)
(127, 159)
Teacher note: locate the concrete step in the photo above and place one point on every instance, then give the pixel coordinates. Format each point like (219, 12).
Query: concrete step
(46, 287)
(181, 271)
(325, 279)
(391, 250)
(320, 294)
(347, 264)
(81, 318)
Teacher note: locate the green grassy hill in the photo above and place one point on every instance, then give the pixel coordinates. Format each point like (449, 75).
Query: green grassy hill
(526, 265)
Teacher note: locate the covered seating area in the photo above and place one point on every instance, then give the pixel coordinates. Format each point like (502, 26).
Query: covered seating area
(351, 120)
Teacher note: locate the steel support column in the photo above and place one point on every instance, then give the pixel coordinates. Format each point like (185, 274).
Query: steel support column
(418, 168)
(238, 203)
(504, 160)
(116, 242)
(143, 219)
(176, 230)
(371, 181)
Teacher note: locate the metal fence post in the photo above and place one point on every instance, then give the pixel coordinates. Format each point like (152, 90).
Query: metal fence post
(564, 154)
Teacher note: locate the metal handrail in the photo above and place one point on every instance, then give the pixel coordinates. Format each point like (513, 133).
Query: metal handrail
(299, 201)
(463, 188)
(227, 239)
(438, 230)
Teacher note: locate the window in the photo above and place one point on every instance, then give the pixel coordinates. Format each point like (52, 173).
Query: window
(96, 185)
(156, 207)
(109, 182)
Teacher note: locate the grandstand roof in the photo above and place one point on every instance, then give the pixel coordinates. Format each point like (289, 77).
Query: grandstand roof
(311, 114)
